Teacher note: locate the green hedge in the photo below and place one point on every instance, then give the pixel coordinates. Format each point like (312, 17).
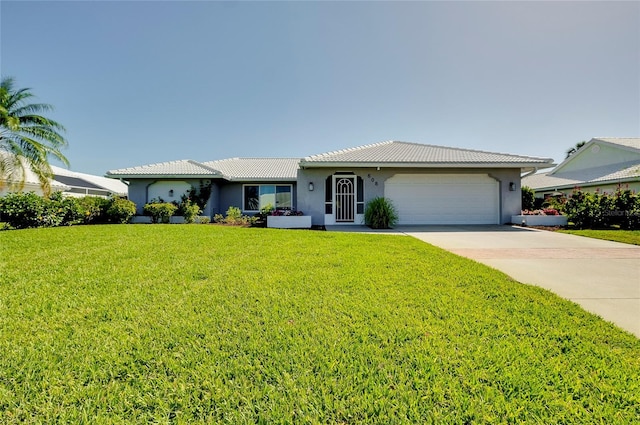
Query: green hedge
(603, 210)
(24, 210)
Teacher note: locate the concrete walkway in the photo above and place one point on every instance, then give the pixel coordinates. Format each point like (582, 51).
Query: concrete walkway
(601, 276)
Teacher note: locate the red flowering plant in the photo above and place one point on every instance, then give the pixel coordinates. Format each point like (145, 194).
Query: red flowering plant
(270, 210)
(285, 212)
(544, 211)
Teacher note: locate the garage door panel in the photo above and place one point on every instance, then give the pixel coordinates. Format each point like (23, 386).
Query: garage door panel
(444, 199)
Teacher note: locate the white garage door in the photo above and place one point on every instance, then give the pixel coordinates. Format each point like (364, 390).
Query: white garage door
(444, 198)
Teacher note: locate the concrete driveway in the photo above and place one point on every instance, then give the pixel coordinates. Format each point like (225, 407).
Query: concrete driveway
(601, 276)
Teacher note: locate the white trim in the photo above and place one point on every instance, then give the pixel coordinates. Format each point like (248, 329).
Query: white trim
(330, 219)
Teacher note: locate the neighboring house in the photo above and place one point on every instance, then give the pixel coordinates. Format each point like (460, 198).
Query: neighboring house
(427, 184)
(81, 184)
(602, 164)
(69, 183)
(31, 184)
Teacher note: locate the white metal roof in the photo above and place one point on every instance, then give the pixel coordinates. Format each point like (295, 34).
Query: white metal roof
(114, 186)
(629, 142)
(597, 175)
(184, 167)
(256, 168)
(592, 176)
(415, 154)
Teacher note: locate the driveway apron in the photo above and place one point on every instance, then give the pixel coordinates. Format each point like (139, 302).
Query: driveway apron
(601, 276)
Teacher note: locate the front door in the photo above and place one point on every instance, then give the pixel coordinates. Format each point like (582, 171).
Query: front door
(345, 195)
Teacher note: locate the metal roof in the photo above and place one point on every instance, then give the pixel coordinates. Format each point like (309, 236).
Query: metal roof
(589, 177)
(415, 154)
(629, 142)
(238, 169)
(89, 181)
(183, 168)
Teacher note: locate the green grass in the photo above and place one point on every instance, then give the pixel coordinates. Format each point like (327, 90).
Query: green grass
(624, 236)
(209, 324)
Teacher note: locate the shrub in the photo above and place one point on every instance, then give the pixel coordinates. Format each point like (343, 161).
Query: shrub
(554, 202)
(22, 210)
(189, 211)
(202, 219)
(64, 211)
(600, 210)
(160, 212)
(380, 214)
(120, 210)
(94, 209)
(528, 198)
(234, 217)
(626, 209)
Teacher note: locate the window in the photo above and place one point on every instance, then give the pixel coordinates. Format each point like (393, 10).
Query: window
(360, 197)
(258, 196)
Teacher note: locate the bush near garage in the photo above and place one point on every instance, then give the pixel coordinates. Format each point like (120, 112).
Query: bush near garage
(620, 209)
(380, 213)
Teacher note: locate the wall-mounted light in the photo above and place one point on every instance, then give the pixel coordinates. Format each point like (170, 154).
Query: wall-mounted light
(171, 193)
(311, 186)
(512, 186)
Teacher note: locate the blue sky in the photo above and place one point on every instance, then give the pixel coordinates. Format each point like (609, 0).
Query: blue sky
(150, 81)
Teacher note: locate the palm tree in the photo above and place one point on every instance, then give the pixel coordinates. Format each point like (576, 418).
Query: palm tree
(27, 139)
(575, 149)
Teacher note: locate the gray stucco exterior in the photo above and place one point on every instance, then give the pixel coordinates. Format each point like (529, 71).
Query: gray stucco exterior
(429, 184)
(313, 202)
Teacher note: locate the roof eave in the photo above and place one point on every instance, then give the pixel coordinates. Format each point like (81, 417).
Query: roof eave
(588, 183)
(161, 176)
(260, 179)
(520, 165)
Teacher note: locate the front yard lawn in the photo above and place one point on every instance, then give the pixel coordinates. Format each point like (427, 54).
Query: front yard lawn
(624, 236)
(209, 324)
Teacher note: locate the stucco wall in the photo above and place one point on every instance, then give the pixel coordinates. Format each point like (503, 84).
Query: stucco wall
(142, 191)
(313, 202)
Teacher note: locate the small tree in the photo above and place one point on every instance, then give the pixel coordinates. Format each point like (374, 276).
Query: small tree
(528, 198)
(575, 149)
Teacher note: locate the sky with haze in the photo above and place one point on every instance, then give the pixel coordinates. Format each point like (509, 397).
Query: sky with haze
(140, 82)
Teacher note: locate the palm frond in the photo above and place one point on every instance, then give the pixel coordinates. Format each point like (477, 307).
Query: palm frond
(27, 139)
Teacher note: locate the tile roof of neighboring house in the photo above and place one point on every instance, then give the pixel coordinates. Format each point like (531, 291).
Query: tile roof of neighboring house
(546, 180)
(89, 181)
(415, 154)
(629, 142)
(593, 176)
(183, 168)
(256, 168)
(597, 175)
